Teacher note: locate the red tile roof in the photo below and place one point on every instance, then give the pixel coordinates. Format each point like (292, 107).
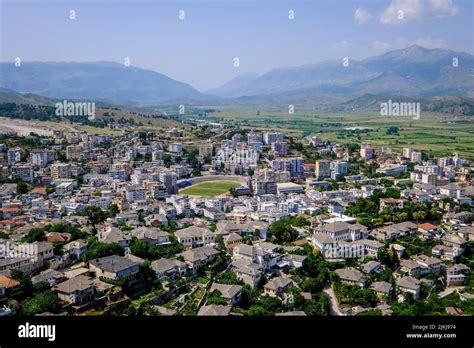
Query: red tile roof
(8, 282)
(427, 226)
(39, 190)
(10, 210)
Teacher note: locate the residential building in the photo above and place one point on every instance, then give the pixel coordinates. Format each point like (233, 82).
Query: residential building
(8, 286)
(248, 272)
(351, 276)
(277, 286)
(61, 171)
(41, 158)
(193, 237)
(272, 137)
(175, 148)
(432, 263)
(343, 231)
(14, 155)
(383, 289)
(293, 165)
(322, 169)
(77, 291)
(230, 292)
(214, 310)
(338, 169)
(199, 257)
(410, 285)
(170, 268)
(366, 151)
(114, 267)
(152, 235)
(456, 274)
(23, 172)
(76, 248)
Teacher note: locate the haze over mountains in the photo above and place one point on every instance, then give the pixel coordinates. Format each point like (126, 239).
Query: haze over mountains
(413, 71)
(99, 81)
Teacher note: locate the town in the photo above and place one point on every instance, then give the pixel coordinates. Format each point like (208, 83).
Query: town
(231, 220)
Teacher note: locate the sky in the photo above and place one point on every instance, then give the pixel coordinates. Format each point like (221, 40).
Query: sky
(200, 49)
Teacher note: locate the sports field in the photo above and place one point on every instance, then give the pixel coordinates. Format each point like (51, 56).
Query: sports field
(210, 188)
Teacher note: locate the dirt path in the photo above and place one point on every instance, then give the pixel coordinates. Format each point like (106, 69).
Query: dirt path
(334, 306)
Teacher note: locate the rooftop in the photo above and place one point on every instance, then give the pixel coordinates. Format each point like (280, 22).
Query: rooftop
(79, 283)
(113, 263)
(214, 310)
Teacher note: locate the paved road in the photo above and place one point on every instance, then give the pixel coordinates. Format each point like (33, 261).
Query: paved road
(449, 291)
(334, 306)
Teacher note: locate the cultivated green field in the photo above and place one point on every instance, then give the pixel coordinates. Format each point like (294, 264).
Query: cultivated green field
(440, 134)
(210, 188)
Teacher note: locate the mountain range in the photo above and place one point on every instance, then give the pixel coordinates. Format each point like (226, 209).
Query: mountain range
(106, 81)
(413, 71)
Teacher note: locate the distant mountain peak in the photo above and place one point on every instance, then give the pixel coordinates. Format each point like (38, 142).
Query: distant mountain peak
(416, 47)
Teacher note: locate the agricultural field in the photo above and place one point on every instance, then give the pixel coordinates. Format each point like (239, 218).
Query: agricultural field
(438, 134)
(210, 188)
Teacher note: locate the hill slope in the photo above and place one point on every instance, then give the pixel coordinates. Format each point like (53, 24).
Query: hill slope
(107, 81)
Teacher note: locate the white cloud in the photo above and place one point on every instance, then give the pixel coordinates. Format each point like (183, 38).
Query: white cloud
(361, 15)
(401, 11)
(381, 46)
(341, 44)
(426, 42)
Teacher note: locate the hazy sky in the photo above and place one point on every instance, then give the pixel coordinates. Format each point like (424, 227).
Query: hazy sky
(200, 49)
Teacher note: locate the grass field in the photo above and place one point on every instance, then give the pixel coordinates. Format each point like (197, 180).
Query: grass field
(441, 134)
(210, 188)
(147, 123)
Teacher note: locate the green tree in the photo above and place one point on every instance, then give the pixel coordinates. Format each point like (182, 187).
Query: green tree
(167, 160)
(318, 306)
(148, 276)
(248, 297)
(371, 313)
(215, 297)
(97, 250)
(35, 235)
(21, 187)
(45, 301)
(25, 281)
(282, 232)
(419, 215)
(140, 248)
(228, 277)
(389, 257)
(258, 311)
(95, 216)
(113, 210)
